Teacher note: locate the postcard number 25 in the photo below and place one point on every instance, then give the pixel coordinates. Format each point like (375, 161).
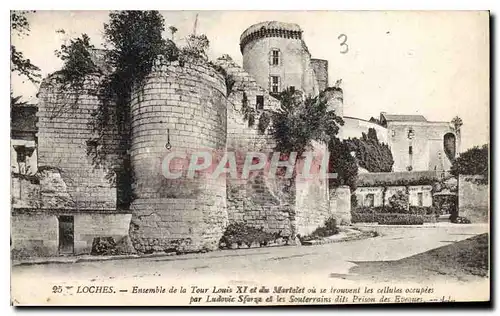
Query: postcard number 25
(344, 48)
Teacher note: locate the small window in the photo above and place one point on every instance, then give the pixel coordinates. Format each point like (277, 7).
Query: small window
(260, 102)
(420, 199)
(275, 57)
(410, 150)
(275, 84)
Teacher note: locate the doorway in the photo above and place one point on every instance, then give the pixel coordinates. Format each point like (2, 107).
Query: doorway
(66, 234)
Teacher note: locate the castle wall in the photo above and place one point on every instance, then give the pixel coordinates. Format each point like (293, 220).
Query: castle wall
(182, 214)
(311, 202)
(473, 199)
(63, 132)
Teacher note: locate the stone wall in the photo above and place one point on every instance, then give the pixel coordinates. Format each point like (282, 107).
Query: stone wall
(185, 105)
(340, 204)
(90, 225)
(311, 202)
(473, 199)
(34, 234)
(259, 201)
(63, 133)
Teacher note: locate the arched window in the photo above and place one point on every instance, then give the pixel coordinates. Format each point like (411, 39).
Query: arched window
(449, 145)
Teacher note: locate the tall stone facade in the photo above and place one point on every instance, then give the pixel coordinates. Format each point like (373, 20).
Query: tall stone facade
(186, 107)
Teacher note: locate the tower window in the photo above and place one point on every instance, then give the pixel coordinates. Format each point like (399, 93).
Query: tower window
(275, 84)
(410, 150)
(275, 57)
(260, 102)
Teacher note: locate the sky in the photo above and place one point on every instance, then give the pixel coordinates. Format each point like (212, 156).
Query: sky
(431, 63)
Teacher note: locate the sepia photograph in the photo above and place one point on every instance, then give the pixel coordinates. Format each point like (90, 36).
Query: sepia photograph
(249, 158)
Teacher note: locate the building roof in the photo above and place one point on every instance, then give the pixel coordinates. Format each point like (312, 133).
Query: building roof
(403, 118)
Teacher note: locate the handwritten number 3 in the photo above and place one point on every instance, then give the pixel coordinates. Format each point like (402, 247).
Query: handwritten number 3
(344, 47)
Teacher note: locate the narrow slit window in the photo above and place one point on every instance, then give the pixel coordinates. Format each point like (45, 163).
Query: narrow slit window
(260, 102)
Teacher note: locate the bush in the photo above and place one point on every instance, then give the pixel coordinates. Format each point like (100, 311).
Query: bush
(328, 229)
(390, 218)
(399, 202)
(400, 219)
(461, 220)
(362, 217)
(102, 246)
(423, 210)
(242, 234)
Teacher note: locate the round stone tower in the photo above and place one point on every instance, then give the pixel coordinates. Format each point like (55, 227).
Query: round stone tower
(275, 54)
(179, 110)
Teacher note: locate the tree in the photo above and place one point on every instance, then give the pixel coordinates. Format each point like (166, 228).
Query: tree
(372, 155)
(457, 123)
(173, 30)
(18, 62)
(299, 121)
(343, 164)
(474, 161)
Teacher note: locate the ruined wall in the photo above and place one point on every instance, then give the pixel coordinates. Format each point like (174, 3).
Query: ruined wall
(181, 214)
(473, 199)
(63, 132)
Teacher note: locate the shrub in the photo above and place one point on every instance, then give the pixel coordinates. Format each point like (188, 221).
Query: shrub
(328, 229)
(399, 202)
(362, 217)
(400, 219)
(461, 220)
(390, 218)
(102, 246)
(423, 210)
(242, 234)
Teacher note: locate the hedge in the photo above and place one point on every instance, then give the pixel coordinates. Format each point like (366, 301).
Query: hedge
(416, 210)
(391, 218)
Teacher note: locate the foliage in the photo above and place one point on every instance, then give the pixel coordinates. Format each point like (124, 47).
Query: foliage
(461, 220)
(371, 154)
(103, 246)
(329, 228)
(247, 110)
(77, 65)
(390, 218)
(242, 234)
(77, 62)
(399, 202)
(401, 182)
(264, 121)
(196, 48)
(23, 66)
(343, 164)
(386, 209)
(474, 161)
(134, 41)
(299, 121)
